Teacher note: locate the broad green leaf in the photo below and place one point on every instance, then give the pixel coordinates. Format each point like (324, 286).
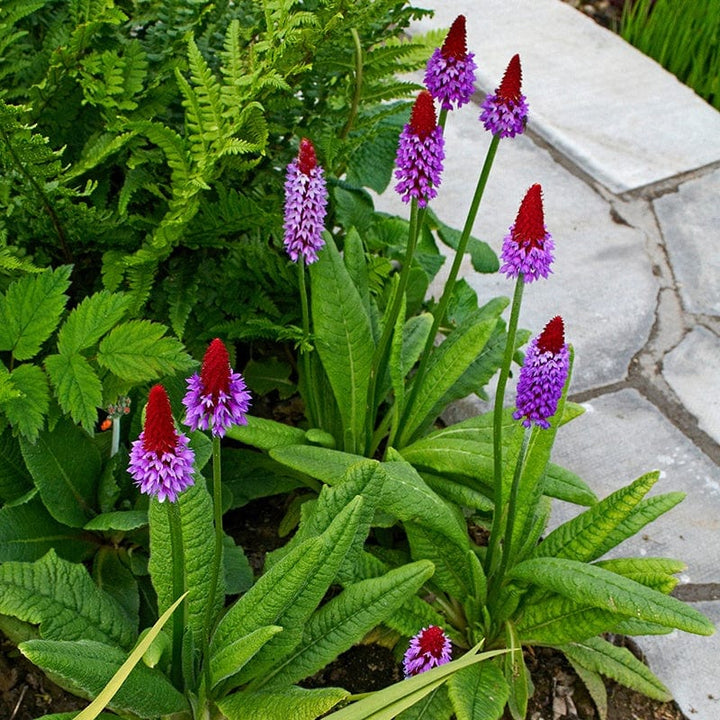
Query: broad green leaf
(453, 456)
(479, 692)
(345, 620)
(30, 310)
(343, 339)
(111, 572)
(65, 464)
(122, 520)
(231, 658)
(27, 411)
(358, 269)
(28, 531)
(90, 320)
(435, 705)
(86, 667)
(238, 572)
(61, 597)
(15, 480)
(196, 520)
(458, 493)
(603, 589)
(595, 686)
(262, 377)
(517, 675)
(617, 663)
(266, 434)
(447, 364)
(324, 464)
(291, 702)
(562, 484)
(138, 351)
(656, 573)
(77, 386)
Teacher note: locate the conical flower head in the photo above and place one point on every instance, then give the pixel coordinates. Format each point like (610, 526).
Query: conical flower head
(528, 247)
(161, 462)
(543, 375)
(217, 398)
(305, 205)
(428, 649)
(420, 153)
(505, 112)
(450, 72)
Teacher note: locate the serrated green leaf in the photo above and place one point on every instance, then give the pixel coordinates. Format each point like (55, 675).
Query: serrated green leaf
(479, 692)
(27, 411)
(196, 520)
(605, 590)
(30, 310)
(28, 531)
(90, 320)
(345, 620)
(343, 339)
(77, 386)
(85, 667)
(65, 465)
(138, 351)
(231, 658)
(617, 663)
(266, 434)
(61, 597)
(293, 702)
(15, 480)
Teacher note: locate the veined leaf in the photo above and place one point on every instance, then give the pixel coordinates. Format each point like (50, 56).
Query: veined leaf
(137, 351)
(603, 589)
(266, 434)
(290, 702)
(27, 411)
(656, 573)
(479, 692)
(65, 464)
(595, 686)
(617, 663)
(30, 310)
(15, 480)
(86, 667)
(345, 619)
(435, 705)
(122, 520)
(230, 659)
(77, 386)
(90, 320)
(61, 597)
(561, 483)
(343, 338)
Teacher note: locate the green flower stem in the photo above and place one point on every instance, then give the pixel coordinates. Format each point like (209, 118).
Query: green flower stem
(379, 362)
(178, 580)
(310, 409)
(441, 308)
(217, 555)
(497, 427)
(115, 441)
(352, 115)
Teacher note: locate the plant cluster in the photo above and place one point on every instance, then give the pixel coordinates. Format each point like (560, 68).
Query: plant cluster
(123, 144)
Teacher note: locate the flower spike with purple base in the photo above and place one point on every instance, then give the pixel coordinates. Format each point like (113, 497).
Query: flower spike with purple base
(543, 376)
(305, 205)
(161, 462)
(420, 153)
(217, 398)
(450, 73)
(528, 247)
(428, 649)
(505, 112)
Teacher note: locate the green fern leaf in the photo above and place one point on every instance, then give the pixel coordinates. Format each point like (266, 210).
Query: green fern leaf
(27, 410)
(77, 386)
(90, 320)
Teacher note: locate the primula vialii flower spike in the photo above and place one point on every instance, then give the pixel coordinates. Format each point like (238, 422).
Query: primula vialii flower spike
(428, 649)
(217, 398)
(420, 153)
(161, 462)
(305, 205)
(527, 249)
(450, 73)
(543, 375)
(505, 112)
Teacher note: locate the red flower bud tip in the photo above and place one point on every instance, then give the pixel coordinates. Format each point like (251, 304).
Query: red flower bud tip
(455, 45)
(422, 118)
(509, 89)
(160, 436)
(432, 641)
(529, 229)
(307, 160)
(552, 338)
(215, 372)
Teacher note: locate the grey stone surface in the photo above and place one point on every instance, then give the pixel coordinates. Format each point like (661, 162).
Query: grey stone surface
(694, 374)
(622, 436)
(689, 665)
(690, 224)
(616, 113)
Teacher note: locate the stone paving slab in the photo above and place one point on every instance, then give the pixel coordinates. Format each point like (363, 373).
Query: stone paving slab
(613, 111)
(602, 282)
(690, 221)
(693, 372)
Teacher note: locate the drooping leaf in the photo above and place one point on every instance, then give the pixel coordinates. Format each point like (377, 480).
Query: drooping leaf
(479, 692)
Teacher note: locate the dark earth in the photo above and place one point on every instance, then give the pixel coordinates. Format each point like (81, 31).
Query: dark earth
(26, 694)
